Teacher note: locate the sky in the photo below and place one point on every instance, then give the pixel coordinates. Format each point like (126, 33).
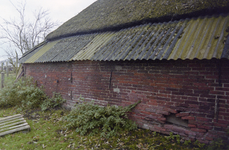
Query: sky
(59, 10)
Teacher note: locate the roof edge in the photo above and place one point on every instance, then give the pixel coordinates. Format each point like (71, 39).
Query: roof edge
(225, 53)
(34, 48)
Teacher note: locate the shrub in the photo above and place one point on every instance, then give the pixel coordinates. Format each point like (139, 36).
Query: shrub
(55, 101)
(25, 94)
(90, 118)
(22, 93)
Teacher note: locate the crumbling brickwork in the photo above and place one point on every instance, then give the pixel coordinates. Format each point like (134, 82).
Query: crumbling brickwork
(186, 97)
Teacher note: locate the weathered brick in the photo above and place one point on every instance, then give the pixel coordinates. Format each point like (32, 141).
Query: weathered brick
(198, 130)
(170, 110)
(182, 114)
(163, 112)
(163, 87)
(188, 118)
(209, 138)
(178, 130)
(217, 92)
(220, 125)
(159, 129)
(205, 127)
(203, 119)
(191, 125)
(202, 140)
(190, 133)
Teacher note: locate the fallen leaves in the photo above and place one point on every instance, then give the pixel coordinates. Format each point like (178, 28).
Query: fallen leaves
(46, 133)
(43, 146)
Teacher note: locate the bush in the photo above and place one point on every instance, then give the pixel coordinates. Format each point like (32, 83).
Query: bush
(22, 93)
(55, 101)
(25, 94)
(90, 118)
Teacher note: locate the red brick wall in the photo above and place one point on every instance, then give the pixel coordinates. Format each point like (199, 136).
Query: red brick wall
(196, 91)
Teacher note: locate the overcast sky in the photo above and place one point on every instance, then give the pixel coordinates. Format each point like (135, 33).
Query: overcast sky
(59, 10)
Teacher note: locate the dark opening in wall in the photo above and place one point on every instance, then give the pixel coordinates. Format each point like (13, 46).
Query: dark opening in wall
(172, 119)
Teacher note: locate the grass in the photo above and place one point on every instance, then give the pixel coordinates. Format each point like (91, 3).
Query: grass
(7, 79)
(44, 132)
(48, 131)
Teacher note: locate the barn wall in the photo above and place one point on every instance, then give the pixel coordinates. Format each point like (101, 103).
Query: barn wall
(190, 97)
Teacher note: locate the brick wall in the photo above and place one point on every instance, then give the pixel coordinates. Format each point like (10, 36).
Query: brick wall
(189, 97)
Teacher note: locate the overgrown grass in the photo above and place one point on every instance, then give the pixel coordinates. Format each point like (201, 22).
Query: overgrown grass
(43, 134)
(90, 118)
(48, 131)
(49, 128)
(8, 79)
(26, 95)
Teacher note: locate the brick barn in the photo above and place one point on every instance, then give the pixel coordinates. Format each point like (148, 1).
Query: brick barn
(172, 56)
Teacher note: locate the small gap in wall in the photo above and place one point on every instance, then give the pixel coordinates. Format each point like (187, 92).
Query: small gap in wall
(110, 79)
(216, 109)
(219, 72)
(178, 111)
(71, 95)
(172, 119)
(71, 78)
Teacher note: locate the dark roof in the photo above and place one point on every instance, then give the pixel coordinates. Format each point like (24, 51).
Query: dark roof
(201, 38)
(104, 15)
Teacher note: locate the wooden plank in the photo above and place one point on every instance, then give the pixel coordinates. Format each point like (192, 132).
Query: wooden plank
(8, 125)
(20, 72)
(10, 118)
(9, 128)
(2, 67)
(13, 124)
(7, 69)
(14, 116)
(15, 130)
(2, 80)
(12, 121)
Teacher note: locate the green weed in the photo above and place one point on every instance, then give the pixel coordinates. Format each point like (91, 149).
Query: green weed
(88, 118)
(49, 131)
(26, 95)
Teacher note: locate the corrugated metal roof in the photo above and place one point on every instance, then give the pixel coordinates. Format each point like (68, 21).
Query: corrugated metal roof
(143, 43)
(66, 48)
(226, 49)
(92, 47)
(202, 38)
(41, 51)
(27, 55)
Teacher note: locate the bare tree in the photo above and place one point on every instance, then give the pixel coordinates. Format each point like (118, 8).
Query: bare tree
(23, 34)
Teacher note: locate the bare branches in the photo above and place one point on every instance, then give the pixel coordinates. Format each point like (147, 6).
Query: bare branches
(23, 33)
